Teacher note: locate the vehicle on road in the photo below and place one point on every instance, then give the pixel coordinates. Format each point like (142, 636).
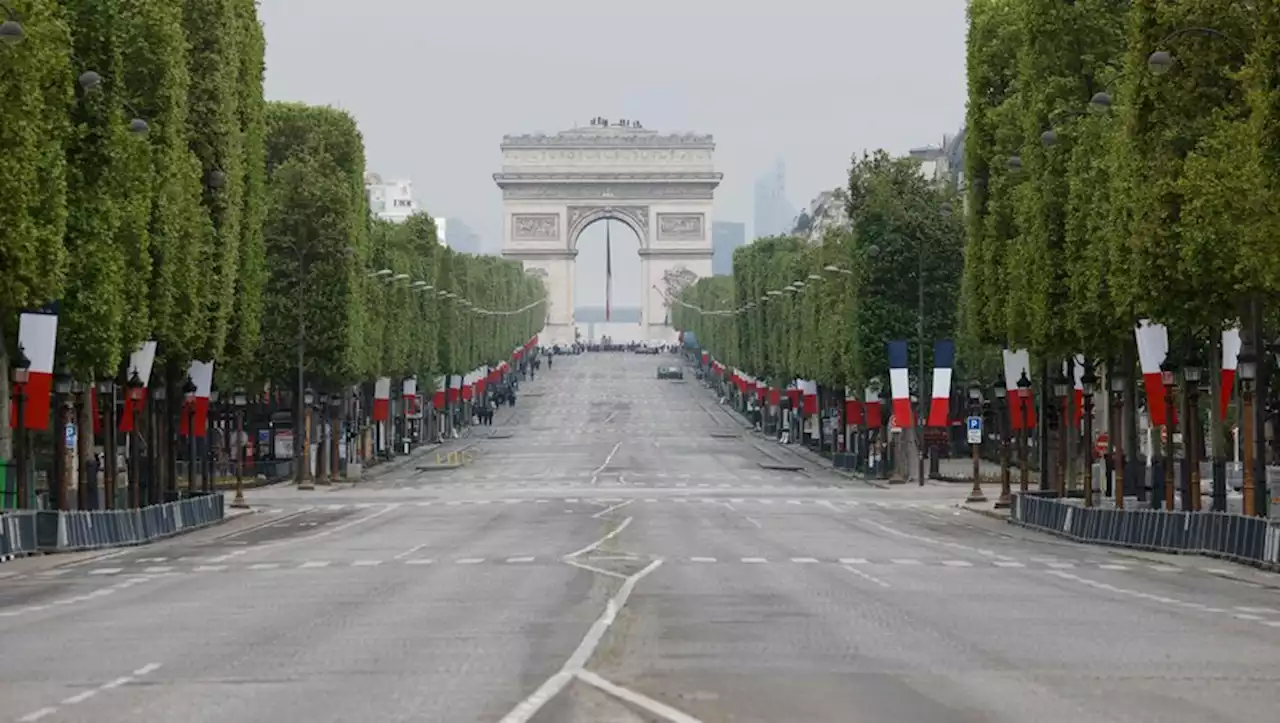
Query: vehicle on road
(670, 371)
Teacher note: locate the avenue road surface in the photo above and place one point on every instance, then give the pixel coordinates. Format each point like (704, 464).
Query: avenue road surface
(616, 552)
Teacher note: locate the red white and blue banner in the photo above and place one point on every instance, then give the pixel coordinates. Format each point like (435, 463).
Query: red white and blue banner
(871, 408)
(944, 356)
(382, 399)
(38, 338)
(900, 384)
(201, 374)
(1153, 347)
(140, 363)
(1077, 393)
(437, 398)
(1230, 361)
(1022, 411)
(454, 392)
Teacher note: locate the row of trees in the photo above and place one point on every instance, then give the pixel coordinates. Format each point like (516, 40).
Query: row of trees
(1123, 162)
(153, 193)
(823, 311)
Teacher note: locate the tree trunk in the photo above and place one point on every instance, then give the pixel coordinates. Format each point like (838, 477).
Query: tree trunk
(6, 434)
(85, 442)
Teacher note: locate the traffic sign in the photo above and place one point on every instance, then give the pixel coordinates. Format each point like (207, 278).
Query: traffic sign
(69, 434)
(975, 430)
(1102, 444)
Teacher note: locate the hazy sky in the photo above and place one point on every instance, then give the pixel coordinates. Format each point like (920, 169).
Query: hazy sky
(435, 85)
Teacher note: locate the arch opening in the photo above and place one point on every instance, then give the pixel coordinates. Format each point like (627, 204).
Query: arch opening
(607, 288)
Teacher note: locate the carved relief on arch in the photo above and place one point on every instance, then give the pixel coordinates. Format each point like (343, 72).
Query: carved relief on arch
(636, 217)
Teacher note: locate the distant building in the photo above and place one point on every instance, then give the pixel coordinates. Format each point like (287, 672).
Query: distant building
(725, 237)
(943, 163)
(459, 236)
(774, 214)
(390, 200)
(827, 210)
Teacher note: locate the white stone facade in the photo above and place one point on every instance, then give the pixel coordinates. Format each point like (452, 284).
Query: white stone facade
(660, 185)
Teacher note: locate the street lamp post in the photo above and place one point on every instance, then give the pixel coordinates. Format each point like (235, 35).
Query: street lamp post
(1247, 368)
(11, 30)
(189, 408)
(1089, 383)
(239, 400)
(1002, 428)
(1191, 443)
(975, 408)
(210, 474)
(137, 392)
(1024, 404)
(162, 451)
(20, 374)
(107, 401)
(1118, 382)
(1060, 389)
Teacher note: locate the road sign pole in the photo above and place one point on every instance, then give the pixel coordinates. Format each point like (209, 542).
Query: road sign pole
(974, 424)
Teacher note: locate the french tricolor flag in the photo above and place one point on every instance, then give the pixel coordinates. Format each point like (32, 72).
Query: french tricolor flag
(1153, 347)
(38, 337)
(410, 394)
(1077, 394)
(454, 393)
(900, 384)
(871, 408)
(140, 363)
(201, 374)
(808, 396)
(1230, 361)
(1016, 363)
(438, 397)
(382, 399)
(944, 355)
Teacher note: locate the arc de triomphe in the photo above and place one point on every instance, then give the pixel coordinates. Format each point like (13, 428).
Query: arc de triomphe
(660, 185)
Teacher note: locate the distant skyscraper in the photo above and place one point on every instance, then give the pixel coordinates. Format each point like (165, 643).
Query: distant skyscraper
(725, 237)
(774, 214)
(390, 200)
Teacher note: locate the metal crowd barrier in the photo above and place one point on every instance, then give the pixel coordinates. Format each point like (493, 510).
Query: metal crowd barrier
(1252, 540)
(30, 531)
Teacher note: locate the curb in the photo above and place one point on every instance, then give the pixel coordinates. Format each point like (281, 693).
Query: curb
(985, 513)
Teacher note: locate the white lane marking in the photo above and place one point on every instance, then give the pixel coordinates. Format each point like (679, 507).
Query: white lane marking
(957, 563)
(264, 566)
(1165, 568)
(1006, 563)
(637, 699)
(419, 561)
(409, 551)
(310, 565)
(1259, 611)
(530, 706)
(754, 559)
(520, 559)
(602, 540)
(80, 697)
(597, 570)
(607, 510)
(702, 559)
(1061, 565)
(1113, 567)
(607, 459)
(366, 563)
(87, 694)
(804, 560)
(424, 504)
(106, 571)
(147, 669)
(470, 561)
(866, 577)
(853, 561)
(37, 715)
(906, 561)
(753, 521)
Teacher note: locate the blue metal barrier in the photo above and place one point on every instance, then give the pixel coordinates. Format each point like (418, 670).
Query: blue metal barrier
(30, 531)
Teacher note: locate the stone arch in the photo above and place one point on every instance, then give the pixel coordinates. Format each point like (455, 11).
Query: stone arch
(633, 217)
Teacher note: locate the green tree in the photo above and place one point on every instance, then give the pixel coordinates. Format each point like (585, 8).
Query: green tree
(36, 82)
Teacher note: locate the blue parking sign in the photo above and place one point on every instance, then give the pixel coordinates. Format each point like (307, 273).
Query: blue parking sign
(975, 430)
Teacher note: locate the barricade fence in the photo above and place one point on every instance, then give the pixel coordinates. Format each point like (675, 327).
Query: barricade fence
(1251, 540)
(26, 532)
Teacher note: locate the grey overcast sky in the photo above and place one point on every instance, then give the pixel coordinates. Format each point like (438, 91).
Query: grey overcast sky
(434, 86)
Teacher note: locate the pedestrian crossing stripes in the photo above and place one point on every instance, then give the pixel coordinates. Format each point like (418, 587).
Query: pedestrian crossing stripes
(187, 565)
(689, 500)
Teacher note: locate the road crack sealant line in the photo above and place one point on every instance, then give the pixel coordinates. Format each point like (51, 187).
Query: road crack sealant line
(324, 533)
(84, 695)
